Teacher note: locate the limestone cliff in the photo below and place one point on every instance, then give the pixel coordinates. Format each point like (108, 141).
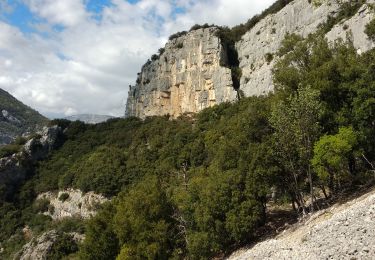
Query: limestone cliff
(299, 17)
(186, 78)
(189, 75)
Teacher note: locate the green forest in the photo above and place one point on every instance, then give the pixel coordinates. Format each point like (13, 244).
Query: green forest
(200, 187)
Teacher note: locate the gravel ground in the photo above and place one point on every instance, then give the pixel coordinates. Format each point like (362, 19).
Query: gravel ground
(341, 232)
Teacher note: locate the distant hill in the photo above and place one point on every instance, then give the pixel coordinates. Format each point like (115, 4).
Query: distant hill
(89, 118)
(16, 118)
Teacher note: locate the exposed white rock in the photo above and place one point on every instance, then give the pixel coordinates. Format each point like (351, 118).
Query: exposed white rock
(340, 232)
(77, 204)
(187, 78)
(355, 28)
(39, 248)
(299, 17)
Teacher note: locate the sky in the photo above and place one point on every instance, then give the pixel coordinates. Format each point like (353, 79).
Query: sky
(67, 57)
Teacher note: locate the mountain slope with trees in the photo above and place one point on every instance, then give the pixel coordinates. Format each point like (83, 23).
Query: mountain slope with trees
(16, 118)
(200, 187)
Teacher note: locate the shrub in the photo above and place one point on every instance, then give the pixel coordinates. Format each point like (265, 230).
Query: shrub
(268, 57)
(9, 150)
(20, 140)
(41, 205)
(154, 57)
(64, 196)
(177, 35)
(63, 246)
(370, 30)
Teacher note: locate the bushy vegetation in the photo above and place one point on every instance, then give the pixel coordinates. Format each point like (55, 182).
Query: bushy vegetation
(199, 187)
(370, 30)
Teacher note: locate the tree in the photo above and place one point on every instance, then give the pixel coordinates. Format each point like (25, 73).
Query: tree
(143, 222)
(332, 156)
(101, 242)
(296, 124)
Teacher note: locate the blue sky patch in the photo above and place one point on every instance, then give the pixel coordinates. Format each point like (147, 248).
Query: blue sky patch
(21, 17)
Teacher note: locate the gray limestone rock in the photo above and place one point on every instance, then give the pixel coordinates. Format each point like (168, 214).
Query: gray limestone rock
(299, 17)
(186, 78)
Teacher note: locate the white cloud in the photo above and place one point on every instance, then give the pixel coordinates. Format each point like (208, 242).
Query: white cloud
(63, 12)
(88, 66)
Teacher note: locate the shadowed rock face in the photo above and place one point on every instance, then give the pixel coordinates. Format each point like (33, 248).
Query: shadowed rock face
(15, 168)
(186, 78)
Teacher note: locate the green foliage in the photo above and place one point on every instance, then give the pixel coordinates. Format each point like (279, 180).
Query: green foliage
(203, 26)
(195, 188)
(296, 124)
(268, 57)
(332, 155)
(62, 247)
(64, 196)
(10, 149)
(346, 11)
(101, 242)
(91, 172)
(370, 30)
(28, 119)
(177, 35)
(238, 31)
(143, 222)
(288, 43)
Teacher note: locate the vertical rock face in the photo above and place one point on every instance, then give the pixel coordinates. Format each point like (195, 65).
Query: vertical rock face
(299, 17)
(186, 78)
(355, 27)
(189, 75)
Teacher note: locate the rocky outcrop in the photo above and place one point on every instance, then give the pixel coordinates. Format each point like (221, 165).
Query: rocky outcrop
(189, 75)
(15, 168)
(355, 27)
(299, 17)
(186, 78)
(39, 248)
(74, 204)
(341, 232)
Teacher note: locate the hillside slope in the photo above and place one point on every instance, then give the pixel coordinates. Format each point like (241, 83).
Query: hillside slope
(341, 232)
(16, 118)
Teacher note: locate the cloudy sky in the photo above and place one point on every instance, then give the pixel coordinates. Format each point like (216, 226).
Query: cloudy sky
(65, 57)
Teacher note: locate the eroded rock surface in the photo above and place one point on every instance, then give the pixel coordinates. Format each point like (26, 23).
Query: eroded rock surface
(39, 248)
(14, 168)
(186, 78)
(299, 17)
(341, 232)
(76, 204)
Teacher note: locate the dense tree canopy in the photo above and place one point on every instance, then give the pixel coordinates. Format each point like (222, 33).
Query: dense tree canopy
(199, 187)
